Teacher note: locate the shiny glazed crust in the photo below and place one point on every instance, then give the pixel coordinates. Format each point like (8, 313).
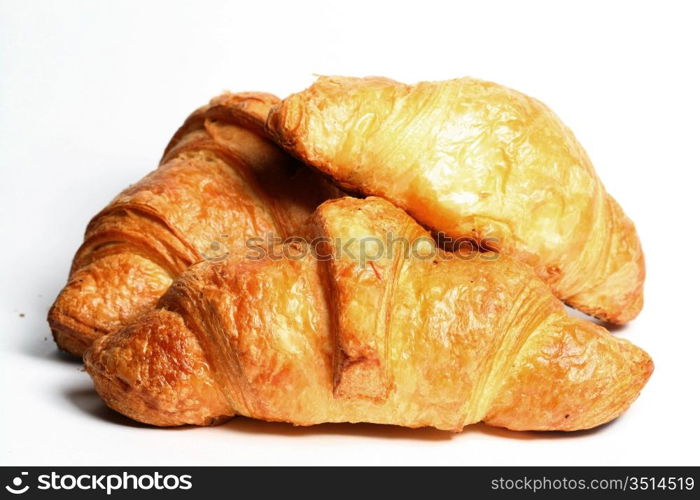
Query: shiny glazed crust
(415, 337)
(475, 159)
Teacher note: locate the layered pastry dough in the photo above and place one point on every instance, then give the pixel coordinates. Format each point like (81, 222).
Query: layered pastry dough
(221, 181)
(475, 160)
(413, 336)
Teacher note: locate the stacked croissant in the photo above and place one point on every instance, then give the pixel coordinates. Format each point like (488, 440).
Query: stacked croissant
(184, 316)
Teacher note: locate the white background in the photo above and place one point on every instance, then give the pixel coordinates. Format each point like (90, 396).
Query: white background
(90, 93)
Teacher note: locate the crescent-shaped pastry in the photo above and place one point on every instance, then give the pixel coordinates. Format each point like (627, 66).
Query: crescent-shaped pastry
(473, 159)
(411, 336)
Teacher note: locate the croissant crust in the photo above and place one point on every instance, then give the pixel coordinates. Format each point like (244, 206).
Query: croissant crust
(220, 183)
(412, 337)
(476, 160)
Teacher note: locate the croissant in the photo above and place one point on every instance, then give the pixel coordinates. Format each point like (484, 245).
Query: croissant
(366, 320)
(472, 159)
(221, 181)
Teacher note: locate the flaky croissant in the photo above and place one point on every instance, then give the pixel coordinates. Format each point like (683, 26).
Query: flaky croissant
(474, 159)
(374, 325)
(220, 182)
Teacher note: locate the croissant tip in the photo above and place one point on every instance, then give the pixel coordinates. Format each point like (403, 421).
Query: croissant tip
(134, 372)
(72, 340)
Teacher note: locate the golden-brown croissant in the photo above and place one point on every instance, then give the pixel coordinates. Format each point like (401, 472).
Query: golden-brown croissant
(220, 182)
(473, 159)
(367, 321)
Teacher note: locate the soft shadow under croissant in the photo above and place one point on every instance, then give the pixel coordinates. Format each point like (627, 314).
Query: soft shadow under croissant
(413, 337)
